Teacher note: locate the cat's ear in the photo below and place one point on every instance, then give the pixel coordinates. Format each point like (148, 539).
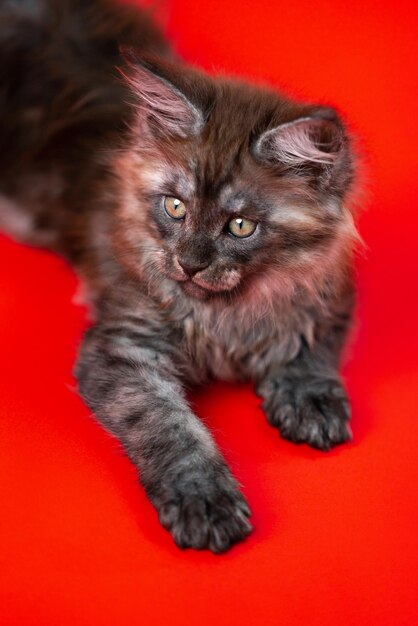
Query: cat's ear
(314, 140)
(160, 103)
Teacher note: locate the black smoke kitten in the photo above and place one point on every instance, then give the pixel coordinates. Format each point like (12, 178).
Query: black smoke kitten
(208, 218)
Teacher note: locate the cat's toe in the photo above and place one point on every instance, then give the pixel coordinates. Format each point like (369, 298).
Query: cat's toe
(228, 524)
(315, 411)
(317, 431)
(214, 519)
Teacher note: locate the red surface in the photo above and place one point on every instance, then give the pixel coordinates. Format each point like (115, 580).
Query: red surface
(336, 534)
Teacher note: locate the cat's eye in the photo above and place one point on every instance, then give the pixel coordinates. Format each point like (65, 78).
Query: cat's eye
(241, 227)
(174, 207)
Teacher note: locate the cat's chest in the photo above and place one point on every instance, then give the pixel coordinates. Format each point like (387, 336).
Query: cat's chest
(228, 349)
(212, 354)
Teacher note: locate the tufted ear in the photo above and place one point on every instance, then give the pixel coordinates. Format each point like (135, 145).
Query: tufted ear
(306, 141)
(161, 103)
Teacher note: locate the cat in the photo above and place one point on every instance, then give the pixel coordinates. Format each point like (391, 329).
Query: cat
(209, 220)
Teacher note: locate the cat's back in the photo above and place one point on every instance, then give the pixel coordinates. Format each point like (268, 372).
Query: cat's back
(62, 99)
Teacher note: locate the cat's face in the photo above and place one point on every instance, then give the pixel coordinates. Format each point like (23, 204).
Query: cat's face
(217, 201)
(208, 243)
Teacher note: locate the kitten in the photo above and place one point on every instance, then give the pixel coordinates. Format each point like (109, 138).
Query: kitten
(208, 218)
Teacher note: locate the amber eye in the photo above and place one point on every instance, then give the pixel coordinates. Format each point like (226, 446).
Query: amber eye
(174, 207)
(241, 227)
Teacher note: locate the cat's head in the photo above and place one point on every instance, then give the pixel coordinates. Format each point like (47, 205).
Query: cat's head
(226, 185)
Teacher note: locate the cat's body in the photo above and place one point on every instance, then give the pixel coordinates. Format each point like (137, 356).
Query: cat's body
(92, 165)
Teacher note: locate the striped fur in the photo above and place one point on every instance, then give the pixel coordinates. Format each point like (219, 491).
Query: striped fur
(95, 138)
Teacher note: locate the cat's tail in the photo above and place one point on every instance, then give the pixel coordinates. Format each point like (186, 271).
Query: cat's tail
(60, 91)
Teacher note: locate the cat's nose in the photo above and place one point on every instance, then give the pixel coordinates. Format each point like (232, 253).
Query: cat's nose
(192, 266)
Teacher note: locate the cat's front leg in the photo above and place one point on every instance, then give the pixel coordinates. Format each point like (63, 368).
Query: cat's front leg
(305, 398)
(132, 386)
(308, 407)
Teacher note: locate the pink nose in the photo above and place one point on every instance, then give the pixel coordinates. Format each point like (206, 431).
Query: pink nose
(191, 267)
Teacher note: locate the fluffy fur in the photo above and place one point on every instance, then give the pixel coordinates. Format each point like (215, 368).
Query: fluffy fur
(103, 123)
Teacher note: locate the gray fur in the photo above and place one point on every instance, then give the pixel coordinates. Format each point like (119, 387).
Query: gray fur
(274, 308)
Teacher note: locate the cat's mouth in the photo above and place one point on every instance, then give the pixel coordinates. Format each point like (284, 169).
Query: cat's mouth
(192, 289)
(201, 286)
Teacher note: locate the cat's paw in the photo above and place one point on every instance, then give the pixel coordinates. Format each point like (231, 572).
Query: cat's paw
(207, 512)
(310, 410)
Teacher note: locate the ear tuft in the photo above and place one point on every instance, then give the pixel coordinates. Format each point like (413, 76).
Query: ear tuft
(305, 141)
(161, 104)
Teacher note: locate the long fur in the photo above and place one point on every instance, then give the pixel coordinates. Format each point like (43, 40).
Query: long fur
(102, 124)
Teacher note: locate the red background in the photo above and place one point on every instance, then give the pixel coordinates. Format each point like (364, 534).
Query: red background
(336, 534)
